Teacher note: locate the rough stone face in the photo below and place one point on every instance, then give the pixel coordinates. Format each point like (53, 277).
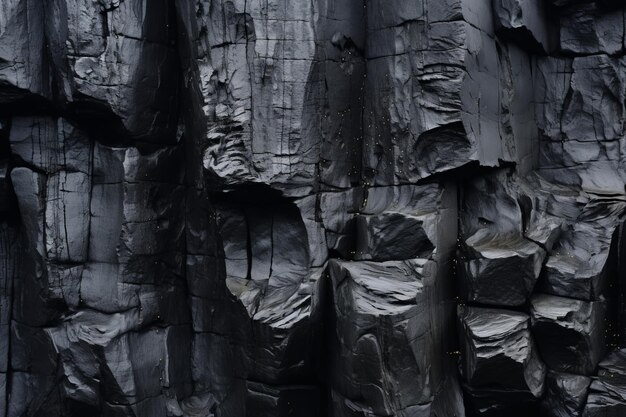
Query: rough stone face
(246, 208)
(499, 360)
(587, 29)
(524, 22)
(570, 333)
(606, 393)
(379, 308)
(21, 39)
(566, 394)
(506, 236)
(580, 264)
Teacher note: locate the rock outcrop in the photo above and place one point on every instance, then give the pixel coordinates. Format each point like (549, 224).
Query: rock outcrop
(312, 208)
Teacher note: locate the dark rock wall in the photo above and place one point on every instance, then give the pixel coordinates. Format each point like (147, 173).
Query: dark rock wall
(272, 208)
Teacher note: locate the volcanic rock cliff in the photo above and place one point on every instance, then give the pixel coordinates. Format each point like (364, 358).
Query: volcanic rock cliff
(311, 208)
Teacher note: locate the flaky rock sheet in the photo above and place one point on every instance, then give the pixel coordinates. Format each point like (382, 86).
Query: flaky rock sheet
(320, 208)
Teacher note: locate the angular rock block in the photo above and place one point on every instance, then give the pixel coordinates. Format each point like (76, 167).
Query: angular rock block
(21, 44)
(299, 122)
(275, 300)
(404, 222)
(444, 54)
(566, 394)
(384, 358)
(505, 236)
(570, 333)
(581, 263)
(500, 270)
(607, 393)
(499, 355)
(67, 216)
(575, 123)
(134, 365)
(587, 29)
(391, 236)
(116, 65)
(525, 22)
(50, 144)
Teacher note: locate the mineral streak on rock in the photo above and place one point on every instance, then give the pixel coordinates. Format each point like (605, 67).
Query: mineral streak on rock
(272, 208)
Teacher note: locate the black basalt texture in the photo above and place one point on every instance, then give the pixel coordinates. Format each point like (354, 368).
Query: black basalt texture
(312, 208)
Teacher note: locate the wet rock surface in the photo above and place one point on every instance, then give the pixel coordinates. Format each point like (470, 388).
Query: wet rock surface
(312, 208)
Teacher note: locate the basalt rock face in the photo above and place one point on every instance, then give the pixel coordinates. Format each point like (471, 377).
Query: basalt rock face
(312, 208)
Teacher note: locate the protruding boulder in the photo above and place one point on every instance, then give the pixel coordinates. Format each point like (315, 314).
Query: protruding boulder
(569, 333)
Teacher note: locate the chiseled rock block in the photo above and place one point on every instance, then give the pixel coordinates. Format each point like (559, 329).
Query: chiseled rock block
(117, 62)
(404, 222)
(498, 352)
(67, 216)
(50, 144)
(607, 394)
(568, 109)
(569, 333)
(391, 236)
(383, 352)
(585, 118)
(287, 320)
(524, 22)
(427, 97)
(505, 233)
(21, 44)
(580, 264)
(30, 187)
(109, 357)
(263, 91)
(500, 270)
(566, 394)
(587, 29)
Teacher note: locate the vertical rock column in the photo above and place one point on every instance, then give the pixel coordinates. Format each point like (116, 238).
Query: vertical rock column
(391, 344)
(273, 114)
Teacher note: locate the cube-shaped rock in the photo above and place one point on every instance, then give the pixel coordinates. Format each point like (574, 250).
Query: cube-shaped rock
(569, 333)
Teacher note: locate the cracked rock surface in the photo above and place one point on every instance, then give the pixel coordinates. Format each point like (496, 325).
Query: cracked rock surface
(273, 208)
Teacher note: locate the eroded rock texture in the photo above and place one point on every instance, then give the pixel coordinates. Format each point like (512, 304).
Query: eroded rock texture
(364, 208)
